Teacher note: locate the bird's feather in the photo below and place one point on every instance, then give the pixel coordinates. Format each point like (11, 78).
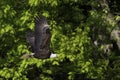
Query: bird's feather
(30, 37)
(42, 38)
(39, 40)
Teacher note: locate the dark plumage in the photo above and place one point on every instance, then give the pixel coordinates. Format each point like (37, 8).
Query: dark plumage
(30, 37)
(39, 40)
(42, 38)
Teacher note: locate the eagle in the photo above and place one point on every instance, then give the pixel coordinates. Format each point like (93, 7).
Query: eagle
(39, 40)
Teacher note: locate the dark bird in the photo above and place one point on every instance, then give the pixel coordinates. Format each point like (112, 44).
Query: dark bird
(39, 40)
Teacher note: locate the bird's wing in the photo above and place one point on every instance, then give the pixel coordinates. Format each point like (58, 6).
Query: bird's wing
(42, 35)
(31, 39)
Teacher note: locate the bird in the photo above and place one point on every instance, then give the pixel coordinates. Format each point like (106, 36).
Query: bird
(39, 40)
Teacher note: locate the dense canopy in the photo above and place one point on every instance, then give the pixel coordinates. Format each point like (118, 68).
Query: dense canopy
(85, 36)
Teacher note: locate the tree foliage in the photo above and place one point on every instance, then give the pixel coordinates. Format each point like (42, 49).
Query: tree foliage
(80, 32)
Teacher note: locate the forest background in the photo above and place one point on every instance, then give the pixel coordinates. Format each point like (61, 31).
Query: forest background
(81, 37)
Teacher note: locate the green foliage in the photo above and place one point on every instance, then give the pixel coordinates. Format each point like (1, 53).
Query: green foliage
(75, 25)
